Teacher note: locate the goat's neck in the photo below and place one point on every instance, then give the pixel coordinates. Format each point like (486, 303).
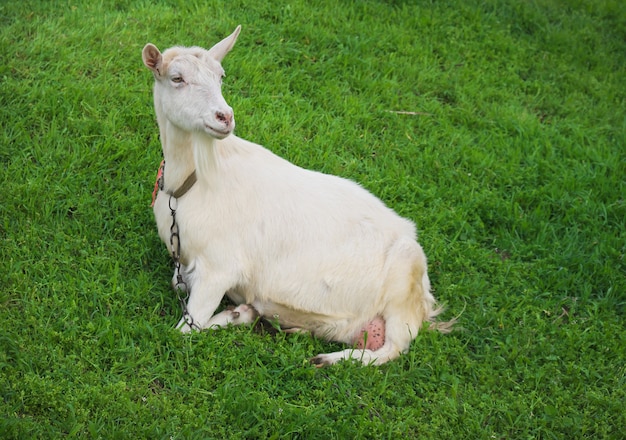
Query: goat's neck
(178, 155)
(206, 158)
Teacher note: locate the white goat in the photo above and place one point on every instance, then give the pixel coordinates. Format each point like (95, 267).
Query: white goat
(311, 251)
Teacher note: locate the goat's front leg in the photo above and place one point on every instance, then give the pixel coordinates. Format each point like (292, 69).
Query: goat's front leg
(180, 279)
(205, 296)
(242, 314)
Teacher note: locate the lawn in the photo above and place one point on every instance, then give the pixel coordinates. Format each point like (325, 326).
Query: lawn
(498, 127)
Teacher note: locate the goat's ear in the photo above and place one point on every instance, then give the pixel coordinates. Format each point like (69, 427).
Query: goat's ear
(220, 50)
(152, 58)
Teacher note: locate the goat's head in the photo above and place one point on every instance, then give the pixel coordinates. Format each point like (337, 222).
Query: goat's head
(188, 86)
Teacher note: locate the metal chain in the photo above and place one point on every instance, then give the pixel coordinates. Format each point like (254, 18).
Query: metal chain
(180, 285)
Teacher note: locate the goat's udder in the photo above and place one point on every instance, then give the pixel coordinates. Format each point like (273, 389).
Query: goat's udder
(372, 336)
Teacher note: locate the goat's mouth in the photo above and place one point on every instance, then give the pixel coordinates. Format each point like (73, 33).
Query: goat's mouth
(219, 133)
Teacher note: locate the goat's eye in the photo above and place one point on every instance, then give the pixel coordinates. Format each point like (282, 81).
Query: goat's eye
(177, 79)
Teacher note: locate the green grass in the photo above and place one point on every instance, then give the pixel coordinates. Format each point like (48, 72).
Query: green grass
(512, 162)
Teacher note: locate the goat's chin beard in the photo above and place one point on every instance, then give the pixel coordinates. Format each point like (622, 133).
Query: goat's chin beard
(206, 161)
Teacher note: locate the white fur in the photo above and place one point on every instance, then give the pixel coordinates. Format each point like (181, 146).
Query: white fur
(313, 251)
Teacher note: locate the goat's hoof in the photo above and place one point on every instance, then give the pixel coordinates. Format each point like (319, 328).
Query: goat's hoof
(319, 361)
(293, 330)
(183, 327)
(243, 314)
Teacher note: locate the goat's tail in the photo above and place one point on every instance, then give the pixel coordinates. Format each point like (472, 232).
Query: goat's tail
(441, 326)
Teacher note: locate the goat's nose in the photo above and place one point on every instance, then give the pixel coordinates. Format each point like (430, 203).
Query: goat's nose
(225, 118)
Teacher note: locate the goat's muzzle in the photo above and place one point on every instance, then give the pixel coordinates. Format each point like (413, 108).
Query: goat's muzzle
(222, 125)
(225, 118)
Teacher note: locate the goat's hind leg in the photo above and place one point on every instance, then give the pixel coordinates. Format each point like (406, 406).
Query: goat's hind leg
(409, 304)
(403, 319)
(397, 341)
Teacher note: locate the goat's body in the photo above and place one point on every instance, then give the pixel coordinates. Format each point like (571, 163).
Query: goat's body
(311, 251)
